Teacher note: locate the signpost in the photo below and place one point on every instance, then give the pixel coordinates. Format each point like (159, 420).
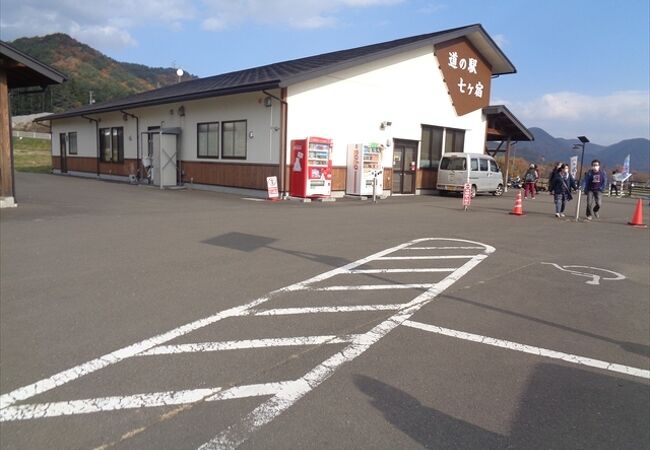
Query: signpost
(467, 195)
(272, 188)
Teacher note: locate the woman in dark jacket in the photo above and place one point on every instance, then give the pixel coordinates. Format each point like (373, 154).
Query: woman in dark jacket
(562, 185)
(557, 168)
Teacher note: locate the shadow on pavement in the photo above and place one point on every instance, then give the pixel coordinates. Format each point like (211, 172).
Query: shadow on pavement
(561, 407)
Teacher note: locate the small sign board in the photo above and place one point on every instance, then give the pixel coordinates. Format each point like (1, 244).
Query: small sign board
(467, 195)
(272, 188)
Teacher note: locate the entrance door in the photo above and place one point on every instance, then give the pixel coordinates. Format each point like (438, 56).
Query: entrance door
(64, 152)
(404, 167)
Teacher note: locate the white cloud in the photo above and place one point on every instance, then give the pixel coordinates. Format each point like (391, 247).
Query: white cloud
(222, 14)
(102, 25)
(605, 119)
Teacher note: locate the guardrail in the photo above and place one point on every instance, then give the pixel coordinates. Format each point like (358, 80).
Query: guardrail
(638, 190)
(31, 134)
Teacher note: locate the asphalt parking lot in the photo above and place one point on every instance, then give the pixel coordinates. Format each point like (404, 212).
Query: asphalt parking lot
(137, 318)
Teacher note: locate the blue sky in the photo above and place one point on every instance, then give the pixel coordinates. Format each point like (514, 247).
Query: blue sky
(583, 66)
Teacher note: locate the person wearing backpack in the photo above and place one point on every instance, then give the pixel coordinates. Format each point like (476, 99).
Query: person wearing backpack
(530, 178)
(563, 184)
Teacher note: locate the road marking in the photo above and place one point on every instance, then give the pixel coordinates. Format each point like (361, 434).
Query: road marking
(246, 344)
(395, 258)
(373, 287)
(86, 368)
(443, 248)
(169, 398)
(595, 279)
(328, 309)
(574, 359)
(427, 270)
(237, 433)
(283, 394)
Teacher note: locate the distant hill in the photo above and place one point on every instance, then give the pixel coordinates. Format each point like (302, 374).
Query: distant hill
(547, 149)
(88, 70)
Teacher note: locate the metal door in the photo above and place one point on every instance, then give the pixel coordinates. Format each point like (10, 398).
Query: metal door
(404, 167)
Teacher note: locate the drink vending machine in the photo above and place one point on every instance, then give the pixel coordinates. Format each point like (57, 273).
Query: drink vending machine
(311, 167)
(365, 167)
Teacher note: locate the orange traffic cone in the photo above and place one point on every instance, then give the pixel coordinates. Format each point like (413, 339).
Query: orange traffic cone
(517, 210)
(637, 218)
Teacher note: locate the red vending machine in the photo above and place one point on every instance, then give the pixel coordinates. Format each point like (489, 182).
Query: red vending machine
(311, 167)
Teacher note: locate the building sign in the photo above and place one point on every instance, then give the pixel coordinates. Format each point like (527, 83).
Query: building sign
(466, 74)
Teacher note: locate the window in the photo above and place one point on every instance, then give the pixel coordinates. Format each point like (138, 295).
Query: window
(72, 143)
(431, 146)
(207, 140)
(233, 138)
(111, 144)
(493, 167)
(474, 164)
(454, 140)
(453, 163)
(483, 164)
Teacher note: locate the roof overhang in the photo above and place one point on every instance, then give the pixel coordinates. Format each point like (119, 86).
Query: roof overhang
(133, 103)
(503, 125)
(24, 71)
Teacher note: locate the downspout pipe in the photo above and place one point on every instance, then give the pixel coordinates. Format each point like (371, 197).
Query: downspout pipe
(97, 138)
(284, 113)
(137, 142)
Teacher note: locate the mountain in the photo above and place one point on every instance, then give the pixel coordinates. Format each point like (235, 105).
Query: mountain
(88, 70)
(546, 149)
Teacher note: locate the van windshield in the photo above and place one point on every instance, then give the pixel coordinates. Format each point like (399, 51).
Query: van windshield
(453, 163)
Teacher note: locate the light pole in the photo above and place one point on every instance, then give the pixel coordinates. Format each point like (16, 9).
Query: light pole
(583, 141)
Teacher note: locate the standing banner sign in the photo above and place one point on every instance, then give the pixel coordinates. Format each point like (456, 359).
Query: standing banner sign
(272, 188)
(467, 195)
(626, 165)
(574, 166)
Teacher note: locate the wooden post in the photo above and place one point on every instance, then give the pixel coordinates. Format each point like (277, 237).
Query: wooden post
(6, 160)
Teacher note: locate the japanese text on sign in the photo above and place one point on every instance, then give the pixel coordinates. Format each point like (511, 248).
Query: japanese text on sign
(469, 64)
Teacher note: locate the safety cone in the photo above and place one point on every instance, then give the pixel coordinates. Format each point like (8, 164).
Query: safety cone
(517, 210)
(637, 218)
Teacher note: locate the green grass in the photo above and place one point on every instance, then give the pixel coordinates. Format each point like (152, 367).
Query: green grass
(32, 155)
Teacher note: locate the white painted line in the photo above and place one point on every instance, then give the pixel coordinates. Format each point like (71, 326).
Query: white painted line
(581, 360)
(237, 433)
(42, 410)
(374, 287)
(246, 344)
(444, 248)
(169, 398)
(357, 271)
(66, 376)
(395, 258)
(328, 309)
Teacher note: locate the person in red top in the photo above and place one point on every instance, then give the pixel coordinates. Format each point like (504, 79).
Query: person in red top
(530, 178)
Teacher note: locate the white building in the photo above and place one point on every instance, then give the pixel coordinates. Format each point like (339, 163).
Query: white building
(418, 97)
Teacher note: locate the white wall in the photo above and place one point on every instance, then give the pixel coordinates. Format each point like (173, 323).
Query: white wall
(263, 148)
(348, 106)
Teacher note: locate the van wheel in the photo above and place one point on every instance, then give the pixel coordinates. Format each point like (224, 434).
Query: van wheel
(499, 191)
(473, 190)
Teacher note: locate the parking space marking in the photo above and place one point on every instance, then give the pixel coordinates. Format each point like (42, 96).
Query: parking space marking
(328, 309)
(283, 394)
(574, 359)
(247, 344)
(595, 278)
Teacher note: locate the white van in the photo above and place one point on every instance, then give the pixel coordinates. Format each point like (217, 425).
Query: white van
(480, 170)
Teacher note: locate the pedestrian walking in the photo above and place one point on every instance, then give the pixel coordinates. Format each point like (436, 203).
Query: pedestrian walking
(594, 186)
(557, 167)
(563, 185)
(530, 178)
